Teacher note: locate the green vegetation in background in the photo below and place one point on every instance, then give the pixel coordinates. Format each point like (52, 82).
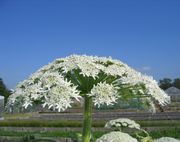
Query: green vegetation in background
(4, 91)
(46, 123)
(70, 123)
(167, 82)
(171, 132)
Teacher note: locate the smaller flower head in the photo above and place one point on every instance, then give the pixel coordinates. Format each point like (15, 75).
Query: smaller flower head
(121, 123)
(116, 137)
(104, 93)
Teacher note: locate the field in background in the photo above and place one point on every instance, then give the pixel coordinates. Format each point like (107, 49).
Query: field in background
(67, 124)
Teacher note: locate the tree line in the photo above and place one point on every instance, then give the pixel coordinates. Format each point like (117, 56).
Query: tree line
(4, 91)
(168, 82)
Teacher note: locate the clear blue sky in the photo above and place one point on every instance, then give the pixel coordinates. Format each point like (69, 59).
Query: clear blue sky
(143, 33)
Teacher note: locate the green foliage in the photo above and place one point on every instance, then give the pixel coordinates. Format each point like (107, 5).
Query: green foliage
(18, 115)
(170, 132)
(40, 134)
(161, 123)
(40, 123)
(176, 83)
(4, 91)
(146, 139)
(28, 138)
(167, 82)
(46, 123)
(70, 123)
(77, 138)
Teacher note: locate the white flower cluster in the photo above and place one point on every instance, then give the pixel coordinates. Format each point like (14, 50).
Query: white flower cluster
(50, 88)
(122, 122)
(104, 93)
(57, 85)
(91, 66)
(166, 139)
(116, 137)
(152, 89)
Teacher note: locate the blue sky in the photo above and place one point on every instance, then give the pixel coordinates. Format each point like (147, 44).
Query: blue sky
(143, 33)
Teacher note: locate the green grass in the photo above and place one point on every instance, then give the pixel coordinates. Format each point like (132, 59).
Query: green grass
(160, 123)
(18, 115)
(172, 132)
(39, 123)
(61, 123)
(46, 123)
(62, 134)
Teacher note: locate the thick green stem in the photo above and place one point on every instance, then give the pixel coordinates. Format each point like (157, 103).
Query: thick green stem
(87, 119)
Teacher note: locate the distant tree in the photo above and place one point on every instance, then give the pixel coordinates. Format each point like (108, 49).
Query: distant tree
(165, 83)
(4, 91)
(176, 83)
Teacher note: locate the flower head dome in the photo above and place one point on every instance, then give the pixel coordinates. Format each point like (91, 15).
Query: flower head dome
(65, 80)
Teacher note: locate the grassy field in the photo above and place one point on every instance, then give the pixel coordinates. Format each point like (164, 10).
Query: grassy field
(19, 115)
(70, 123)
(172, 127)
(172, 132)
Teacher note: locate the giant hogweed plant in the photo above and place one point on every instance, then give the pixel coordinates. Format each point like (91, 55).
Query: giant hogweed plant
(96, 80)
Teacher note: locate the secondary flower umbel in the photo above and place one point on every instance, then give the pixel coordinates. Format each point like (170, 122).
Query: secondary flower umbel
(122, 123)
(65, 80)
(116, 137)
